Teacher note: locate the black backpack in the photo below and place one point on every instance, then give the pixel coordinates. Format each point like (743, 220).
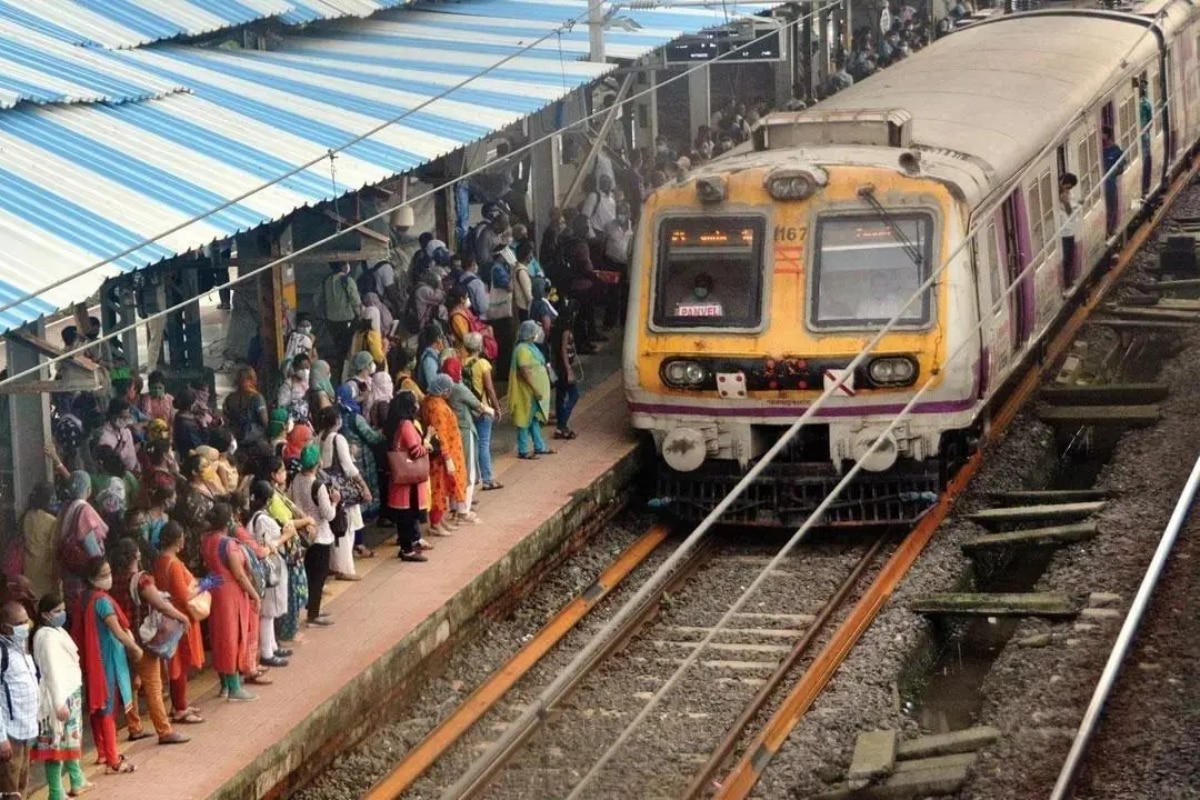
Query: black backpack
(340, 523)
(412, 317)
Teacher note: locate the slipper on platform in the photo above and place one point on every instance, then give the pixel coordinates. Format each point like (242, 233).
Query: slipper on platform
(121, 767)
(489, 486)
(187, 718)
(528, 456)
(137, 737)
(362, 551)
(546, 452)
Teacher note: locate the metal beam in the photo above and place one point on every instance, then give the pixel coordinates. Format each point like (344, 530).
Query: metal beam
(601, 137)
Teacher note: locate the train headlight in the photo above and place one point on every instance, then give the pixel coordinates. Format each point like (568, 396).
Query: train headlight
(892, 371)
(684, 374)
(793, 184)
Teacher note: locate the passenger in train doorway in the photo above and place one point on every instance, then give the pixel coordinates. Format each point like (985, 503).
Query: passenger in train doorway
(1145, 118)
(1068, 226)
(1114, 164)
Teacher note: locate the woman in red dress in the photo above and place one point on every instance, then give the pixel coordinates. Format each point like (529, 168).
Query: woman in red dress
(172, 577)
(234, 603)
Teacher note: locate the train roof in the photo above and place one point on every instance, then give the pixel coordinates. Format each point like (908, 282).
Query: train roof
(995, 93)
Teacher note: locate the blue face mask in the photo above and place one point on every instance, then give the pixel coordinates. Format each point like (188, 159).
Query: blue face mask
(58, 619)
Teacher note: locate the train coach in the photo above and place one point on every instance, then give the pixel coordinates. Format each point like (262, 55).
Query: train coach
(760, 276)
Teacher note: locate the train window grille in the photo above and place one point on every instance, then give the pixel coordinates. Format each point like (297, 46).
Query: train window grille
(1089, 168)
(1041, 212)
(1034, 203)
(1127, 126)
(864, 273)
(995, 271)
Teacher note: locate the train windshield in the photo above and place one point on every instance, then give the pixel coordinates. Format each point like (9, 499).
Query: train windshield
(710, 272)
(867, 267)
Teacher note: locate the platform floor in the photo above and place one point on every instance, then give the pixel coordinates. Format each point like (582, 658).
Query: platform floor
(375, 614)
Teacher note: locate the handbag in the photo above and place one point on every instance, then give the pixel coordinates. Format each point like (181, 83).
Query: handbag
(350, 489)
(158, 634)
(405, 469)
(272, 563)
(200, 606)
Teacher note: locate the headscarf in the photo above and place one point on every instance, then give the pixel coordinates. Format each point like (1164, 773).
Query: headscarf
(157, 430)
(382, 389)
(528, 331)
(347, 397)
(362, 360)
(371, 314)
(310, 456)
(318, 378)
(300, 436)
(278, 423)
(79, 485)
(453, 367)
(441, 385)
(386, 320)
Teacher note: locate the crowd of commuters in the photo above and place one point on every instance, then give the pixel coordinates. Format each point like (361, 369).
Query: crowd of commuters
(181, 532)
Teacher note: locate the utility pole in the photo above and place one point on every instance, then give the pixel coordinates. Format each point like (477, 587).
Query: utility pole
(596, 31)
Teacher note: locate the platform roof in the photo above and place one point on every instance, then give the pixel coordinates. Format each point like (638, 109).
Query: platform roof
(81, 183)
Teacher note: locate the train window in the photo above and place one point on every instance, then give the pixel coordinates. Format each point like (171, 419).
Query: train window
(1153, 90)
(995, 269)
(1089, 168)
(1036, 235)
(710, 272)
(1041, 214)
(867, 267)
(1127, 125)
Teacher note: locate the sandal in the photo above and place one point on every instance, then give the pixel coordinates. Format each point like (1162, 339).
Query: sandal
(188, 717)
(546, 452)
(567, 434)
(122, 767)
(528, 456)
(136, 737)
(492, 485)
(362, 551)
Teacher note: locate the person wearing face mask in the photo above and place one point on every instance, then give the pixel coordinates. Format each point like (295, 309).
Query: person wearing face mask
(529, 391)
(135, 594)
(81, 536)
(301, 340)
(227, 472)
(342, 304)
(278, 427)
(60, 726)
(101, 631)
(337, 460)
(293, 393)
(363, 440)
(618, 243)
(117, 432)
(174, 578)
(19, 682)
(156, 403)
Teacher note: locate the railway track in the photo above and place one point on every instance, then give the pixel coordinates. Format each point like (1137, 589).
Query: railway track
(687, 769)
(742, 667)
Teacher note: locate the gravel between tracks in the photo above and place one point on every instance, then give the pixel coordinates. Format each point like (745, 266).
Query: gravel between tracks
(1036, 696)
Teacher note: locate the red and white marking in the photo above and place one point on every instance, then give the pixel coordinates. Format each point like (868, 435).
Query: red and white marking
(831, 377)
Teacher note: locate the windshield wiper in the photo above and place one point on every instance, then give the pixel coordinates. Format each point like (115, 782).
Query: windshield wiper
(911, 250)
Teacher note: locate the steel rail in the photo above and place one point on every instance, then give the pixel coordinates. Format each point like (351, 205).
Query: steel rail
(1065, 785)
(746, 773)
(488, 694)
(751, 710)
(476, 781)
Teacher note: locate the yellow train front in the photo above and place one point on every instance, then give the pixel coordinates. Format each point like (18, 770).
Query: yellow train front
(758, 279)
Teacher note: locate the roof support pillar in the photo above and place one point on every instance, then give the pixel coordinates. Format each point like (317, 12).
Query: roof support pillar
(27, 418)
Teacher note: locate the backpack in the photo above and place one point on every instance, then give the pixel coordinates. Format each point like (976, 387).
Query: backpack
(258, 572)
(340, 523)
(366, 281)
(468, 377)
(472, 236)
(475, 325)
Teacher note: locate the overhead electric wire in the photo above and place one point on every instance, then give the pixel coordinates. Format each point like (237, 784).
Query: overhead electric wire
(818, 513)
(329, 153)
(512, 734)
(381, 214)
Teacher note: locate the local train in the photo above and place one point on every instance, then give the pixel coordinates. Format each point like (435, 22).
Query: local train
(760, 276)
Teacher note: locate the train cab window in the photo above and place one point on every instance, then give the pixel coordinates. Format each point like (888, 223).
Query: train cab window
(710, 272)
(866, 268)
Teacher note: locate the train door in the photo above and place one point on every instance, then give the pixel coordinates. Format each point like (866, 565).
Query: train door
(1066, 216)
(1112, 198)
(1016, 259)
(995, 310)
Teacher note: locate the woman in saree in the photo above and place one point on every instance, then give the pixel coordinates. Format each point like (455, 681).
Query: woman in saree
(529, 392)
(80, 538)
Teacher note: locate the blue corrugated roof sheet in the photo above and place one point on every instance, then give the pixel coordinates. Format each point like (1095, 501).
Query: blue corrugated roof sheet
(80, 183)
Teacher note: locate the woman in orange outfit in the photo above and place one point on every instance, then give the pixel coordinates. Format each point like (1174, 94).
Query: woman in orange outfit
(174, 578)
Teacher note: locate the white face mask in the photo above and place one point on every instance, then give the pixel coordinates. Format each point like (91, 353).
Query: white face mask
(302, 374)
(104, 584)
(233, 447)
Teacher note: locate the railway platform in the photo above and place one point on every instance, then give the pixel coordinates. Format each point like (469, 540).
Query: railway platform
(341, 678)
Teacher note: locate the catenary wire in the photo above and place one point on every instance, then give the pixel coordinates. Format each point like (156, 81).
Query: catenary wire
(508, 739)
(81, 350)
(817, 514)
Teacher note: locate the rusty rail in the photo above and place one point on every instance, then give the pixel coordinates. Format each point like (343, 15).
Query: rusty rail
(488, 694)
(745, 775)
